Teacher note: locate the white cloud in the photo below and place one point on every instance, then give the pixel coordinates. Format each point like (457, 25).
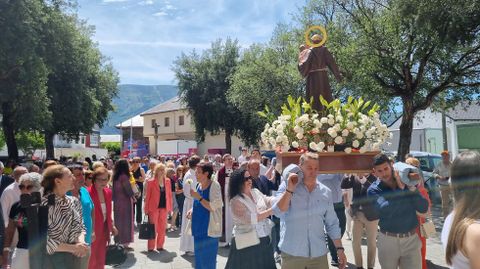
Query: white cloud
(170, 7)
(114, 1)
(160, 13)
(146, 3)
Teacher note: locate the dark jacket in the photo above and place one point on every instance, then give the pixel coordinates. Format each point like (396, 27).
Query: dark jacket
(4, 182)
(360, 201)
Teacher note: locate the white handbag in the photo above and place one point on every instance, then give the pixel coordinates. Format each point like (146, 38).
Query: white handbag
(248, 239)
(427, 229)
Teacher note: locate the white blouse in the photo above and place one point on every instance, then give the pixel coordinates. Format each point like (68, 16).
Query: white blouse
(245, 211)
(459, 261)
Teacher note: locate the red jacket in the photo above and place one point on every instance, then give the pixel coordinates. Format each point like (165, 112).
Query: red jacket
(99, 223)
(152, 197)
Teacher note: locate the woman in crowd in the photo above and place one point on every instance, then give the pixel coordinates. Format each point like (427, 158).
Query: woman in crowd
(421, 218)
(88, 177)
(27, 184)
(179, 192)
(189, 182)
(461, 230)
(66, 233)
(206, 216)
(139, 175)
(250, 210)
(158, 202)
(103, 227)
(81, 193)
(123, 198)
(173, 181)
(364, 217)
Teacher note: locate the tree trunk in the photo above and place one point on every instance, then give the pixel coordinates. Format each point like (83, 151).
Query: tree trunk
(228, 141)
(9, 131)
(50, 150)
(406, 128)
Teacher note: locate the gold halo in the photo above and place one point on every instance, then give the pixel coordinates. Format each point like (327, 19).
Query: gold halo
(307, 36)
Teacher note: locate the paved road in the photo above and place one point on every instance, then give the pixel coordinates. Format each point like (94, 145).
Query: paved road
(173, 259)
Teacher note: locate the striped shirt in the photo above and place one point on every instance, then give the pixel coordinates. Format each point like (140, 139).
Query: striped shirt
(65, 222)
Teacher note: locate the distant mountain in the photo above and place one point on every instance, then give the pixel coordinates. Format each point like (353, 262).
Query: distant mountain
(133, 100)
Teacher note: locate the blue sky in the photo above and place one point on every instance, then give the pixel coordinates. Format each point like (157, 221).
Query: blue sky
(143, 37)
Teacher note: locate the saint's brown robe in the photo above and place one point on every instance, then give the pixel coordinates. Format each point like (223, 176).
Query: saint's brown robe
(312, 64)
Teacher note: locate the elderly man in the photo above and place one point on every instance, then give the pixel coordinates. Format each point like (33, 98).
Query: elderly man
(442, 174)
(305, 209)
(11, 194)
(259, 181)
(4, 179)
(397, 205)
(256, 155)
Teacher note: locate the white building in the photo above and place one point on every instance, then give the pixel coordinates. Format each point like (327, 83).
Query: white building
(463, 130)
(173, 122)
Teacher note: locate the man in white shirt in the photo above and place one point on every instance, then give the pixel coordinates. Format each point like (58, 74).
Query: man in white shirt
(442, 174)
(244, 157)
(12, 193)
(256, 155)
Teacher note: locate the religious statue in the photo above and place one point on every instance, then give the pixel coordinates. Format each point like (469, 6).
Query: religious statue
(312, 64)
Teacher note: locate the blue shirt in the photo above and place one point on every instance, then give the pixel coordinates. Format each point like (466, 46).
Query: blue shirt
(303, 225)
(397, 208)
(334, 183)
(87, 208)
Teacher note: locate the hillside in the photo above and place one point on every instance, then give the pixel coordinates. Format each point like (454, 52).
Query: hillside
(134, 99)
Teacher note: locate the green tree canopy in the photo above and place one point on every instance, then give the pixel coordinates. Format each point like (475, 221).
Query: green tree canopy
(81, 83)
(203, 82)
(23, 72)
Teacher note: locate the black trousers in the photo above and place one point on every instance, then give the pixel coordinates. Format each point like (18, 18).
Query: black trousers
(138, 203)
(342, 218)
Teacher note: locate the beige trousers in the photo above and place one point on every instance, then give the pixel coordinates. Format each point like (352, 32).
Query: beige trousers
(403, 253)
(360, 222)
(293, 262)
(445, 193)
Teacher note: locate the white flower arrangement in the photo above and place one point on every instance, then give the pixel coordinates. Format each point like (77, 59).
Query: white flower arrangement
(353, 127)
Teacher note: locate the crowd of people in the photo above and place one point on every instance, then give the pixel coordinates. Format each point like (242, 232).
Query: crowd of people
(263, 213)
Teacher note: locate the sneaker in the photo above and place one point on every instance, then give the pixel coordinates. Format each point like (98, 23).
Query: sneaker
(334, 264)
(278, 258)
(222, 244)
(190, 253)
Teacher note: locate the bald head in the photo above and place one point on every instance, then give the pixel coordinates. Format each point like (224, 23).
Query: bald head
(18, 172)
(253, 168)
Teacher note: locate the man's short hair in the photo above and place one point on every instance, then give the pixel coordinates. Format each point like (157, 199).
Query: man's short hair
(193, 161)
(308, 156)
(380, 158)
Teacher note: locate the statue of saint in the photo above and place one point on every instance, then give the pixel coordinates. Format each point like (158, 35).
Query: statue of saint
(312, 64)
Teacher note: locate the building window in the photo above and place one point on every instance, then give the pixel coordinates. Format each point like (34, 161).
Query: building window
(167, 122)
(154, 123)
(181, 120)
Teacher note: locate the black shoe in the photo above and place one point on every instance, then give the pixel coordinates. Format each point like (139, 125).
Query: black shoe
(334, 263)
(160, 249)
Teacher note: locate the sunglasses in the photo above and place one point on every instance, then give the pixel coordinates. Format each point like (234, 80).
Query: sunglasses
(249, 177)
(27, 187)
(102, 178)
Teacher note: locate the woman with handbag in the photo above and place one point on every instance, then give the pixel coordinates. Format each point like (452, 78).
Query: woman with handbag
(251, 232)
(104, 227)
(158, 203)
(206, 217)
(421, 217)
(66, 233)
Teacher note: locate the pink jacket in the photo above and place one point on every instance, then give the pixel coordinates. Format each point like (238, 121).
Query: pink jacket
(152, 197)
